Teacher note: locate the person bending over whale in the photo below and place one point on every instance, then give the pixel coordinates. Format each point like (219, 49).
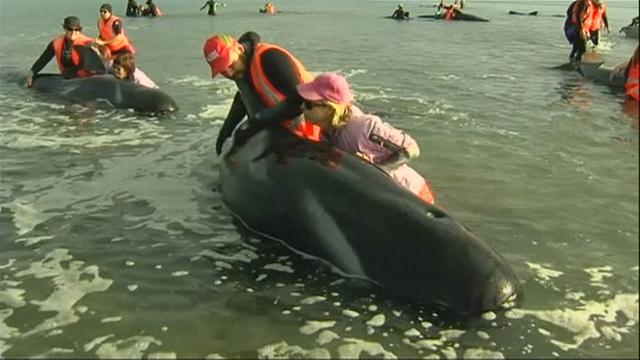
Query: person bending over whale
(69, 60)
(266, 76)
(328, 103)
(576, 28)
(124, 68)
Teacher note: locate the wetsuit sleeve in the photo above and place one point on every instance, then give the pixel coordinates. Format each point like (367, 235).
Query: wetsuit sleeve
(46, 56)
(237, 112)
(605, 20)
(282, 72)
(117, 27)
(283, 77)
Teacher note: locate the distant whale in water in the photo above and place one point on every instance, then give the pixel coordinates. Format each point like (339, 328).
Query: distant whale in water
(119, 93)
(331, 205)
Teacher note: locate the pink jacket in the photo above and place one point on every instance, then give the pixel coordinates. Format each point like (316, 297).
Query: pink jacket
(141, 78)
(356, 137)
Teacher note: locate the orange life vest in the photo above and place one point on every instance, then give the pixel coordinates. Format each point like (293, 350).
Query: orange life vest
(106, 33)
(632, 86)
(58, 45)
(586, 17)
(596, 17)
(271, 96)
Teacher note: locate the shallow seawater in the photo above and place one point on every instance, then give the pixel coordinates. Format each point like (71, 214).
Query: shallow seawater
(115, 242)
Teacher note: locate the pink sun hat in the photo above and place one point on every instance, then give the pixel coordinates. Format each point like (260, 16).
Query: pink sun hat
(327, 86)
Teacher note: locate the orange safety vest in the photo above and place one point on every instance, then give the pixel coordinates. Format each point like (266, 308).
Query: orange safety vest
(632, 86)
(586, 18)
(596, 17)
(106, 33)
(58, 45)
(271, 96)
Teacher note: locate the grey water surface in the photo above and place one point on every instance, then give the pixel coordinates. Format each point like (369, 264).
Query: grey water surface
(115, 243)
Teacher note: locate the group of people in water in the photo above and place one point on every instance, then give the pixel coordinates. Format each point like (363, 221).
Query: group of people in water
(112, 46)
(584, 21)
(275, 89)
(148, 9)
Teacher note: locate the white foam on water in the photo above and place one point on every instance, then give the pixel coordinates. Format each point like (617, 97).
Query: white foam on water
(111, 319)
(355, 347)
(583, 321)
(162, 355)
(313, 326)
(326, 336)
(312, 300)
(12, 297)
(413, 332)
(71, 285)
(480, 353)
(28, 241)
(435, 344)
(180, 273)
(544, 274)
(133, 347)
(279, 267)
(377, 320)
(598, 274)
(6, 331)
(95, 342)
(350, 313)
(284, 350)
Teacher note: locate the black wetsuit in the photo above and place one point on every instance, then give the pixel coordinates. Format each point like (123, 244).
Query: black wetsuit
(212, 7)
(151, 9)
(132, 8)
(281, 73)
(49, 53)
(400, 14)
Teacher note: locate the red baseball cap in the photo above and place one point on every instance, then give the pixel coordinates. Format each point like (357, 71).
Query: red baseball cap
(327, 86)
(217, 51)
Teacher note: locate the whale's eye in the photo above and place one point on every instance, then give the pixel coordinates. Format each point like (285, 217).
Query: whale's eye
(435, 213)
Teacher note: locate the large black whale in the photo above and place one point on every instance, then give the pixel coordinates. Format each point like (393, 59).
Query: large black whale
(338, 208)
(119, 93)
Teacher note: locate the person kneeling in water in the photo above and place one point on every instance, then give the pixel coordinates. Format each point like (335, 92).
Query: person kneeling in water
(124, 68)
(399, 13)
(328, 104)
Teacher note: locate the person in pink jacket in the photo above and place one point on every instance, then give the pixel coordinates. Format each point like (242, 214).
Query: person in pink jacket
(124, 68)
(328, 104)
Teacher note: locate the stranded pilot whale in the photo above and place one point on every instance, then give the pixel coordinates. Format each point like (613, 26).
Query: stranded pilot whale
(331, 205)
(119, 93)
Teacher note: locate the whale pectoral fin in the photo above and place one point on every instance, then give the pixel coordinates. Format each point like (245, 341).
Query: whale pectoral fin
(330, 243)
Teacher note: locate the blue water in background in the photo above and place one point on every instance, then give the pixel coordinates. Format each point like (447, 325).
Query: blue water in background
(115, 243)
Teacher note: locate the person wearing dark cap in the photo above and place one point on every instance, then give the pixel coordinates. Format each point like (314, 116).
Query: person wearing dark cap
(111, 32)
(69, 60)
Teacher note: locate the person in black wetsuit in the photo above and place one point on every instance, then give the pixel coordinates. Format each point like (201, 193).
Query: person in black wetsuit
(399, 13)
(132, 8)
(69, 60)
(266, 76)
(213, 6)
(151, 9)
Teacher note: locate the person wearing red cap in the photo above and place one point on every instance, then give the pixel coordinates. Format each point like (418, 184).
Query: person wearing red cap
(69, 60)
(111, 32)
(328, 103)
(266, 76)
